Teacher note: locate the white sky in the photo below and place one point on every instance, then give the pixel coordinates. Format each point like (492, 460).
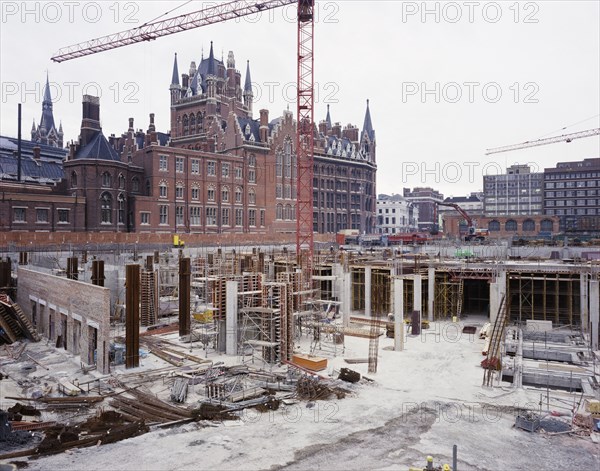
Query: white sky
(386, 51)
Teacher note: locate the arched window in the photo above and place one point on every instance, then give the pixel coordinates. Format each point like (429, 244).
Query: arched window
(162, 189)
(279, 164)
(547, 225)
(279, 214)
(73, 179)
(121, 182)
(179, 191)
(288, 158)
(106, 208)
(252, 160)
(106, 180)
(135, 184)
(195, 191)
(251, 197)
(288, 212)
(293, 216)
(225, 194)
(511, 225)
(192, 123)
(121, 211)
(238, 194)
(528, 225)
(186, 123)
(494, 226)
(210, 193)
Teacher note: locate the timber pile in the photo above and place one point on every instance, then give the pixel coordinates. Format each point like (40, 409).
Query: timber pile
(146, 407)
(107, 427)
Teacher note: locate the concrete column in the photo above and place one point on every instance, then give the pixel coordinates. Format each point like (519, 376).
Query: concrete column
(231, 321)
(417, 296)
(583, 290)
(594, 295)
(497, 290)
(430, 292)
(346, 298)
(398, 304)
(368, 272)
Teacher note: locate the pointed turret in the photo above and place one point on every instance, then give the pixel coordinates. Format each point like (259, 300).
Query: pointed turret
(47, 121)
(212, 69)
(175, 88)
(328, 118)
(367, 139)
(230, 60)
(248, 95)
(175, 77)
(368, 125)
(248, 83)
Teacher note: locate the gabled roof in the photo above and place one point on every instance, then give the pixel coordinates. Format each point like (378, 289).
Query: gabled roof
(98, 148)
(253, 126)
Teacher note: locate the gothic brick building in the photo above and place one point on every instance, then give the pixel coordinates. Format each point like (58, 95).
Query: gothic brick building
(219, 169)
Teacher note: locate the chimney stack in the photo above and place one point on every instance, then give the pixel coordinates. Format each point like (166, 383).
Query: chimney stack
(263, 131)
(90, 124)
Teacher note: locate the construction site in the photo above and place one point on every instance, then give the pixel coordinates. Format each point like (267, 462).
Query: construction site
(396, 356)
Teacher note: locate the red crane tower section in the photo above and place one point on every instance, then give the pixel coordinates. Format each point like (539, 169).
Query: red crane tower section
(305, 137)
(305, 95)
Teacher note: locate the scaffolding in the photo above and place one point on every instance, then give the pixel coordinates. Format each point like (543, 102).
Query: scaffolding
(544, 296)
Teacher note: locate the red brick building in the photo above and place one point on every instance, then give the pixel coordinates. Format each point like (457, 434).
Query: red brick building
(218, 170)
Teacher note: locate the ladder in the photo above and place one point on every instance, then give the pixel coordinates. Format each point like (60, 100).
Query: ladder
(494, 350)
(459, 301)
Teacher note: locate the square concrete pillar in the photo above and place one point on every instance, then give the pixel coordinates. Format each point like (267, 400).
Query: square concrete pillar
(594, 295)
(583, 297)
(346, 298)
(418, 296)
(430, 292)
(231, 317)
(398, 306)
(368, 272)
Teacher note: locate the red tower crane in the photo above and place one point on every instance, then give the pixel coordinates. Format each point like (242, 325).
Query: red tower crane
(305, 94)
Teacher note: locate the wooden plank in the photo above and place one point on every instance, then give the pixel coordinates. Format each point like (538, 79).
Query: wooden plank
(310, 362)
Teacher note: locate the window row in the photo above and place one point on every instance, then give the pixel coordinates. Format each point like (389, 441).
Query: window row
(211, 193)
(228, 217)
(528, 225)
(106, 181)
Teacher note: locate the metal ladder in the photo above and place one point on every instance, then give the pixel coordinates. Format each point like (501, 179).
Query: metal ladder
(496, 341)
(459, 301)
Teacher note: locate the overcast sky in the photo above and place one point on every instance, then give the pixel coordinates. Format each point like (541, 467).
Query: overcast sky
(445, 80)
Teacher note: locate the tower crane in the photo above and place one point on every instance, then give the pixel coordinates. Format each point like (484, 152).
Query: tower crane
(543, 142)
(305, 93)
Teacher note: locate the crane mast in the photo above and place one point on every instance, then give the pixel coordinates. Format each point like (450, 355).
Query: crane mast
(305, 94)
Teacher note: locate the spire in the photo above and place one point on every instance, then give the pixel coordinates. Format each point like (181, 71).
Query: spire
(211, 62)
(175, 78)
(248, 83)
(328, 118)
(47, 120)
(60, 129)
(368, 125)
(47, 97)
(33, 125)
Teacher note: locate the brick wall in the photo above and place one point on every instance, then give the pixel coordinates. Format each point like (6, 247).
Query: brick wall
(80, 307)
